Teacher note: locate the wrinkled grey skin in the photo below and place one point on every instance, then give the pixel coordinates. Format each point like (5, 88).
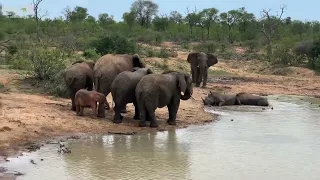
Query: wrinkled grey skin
(219, 99)
(250, 99)
(123, 91)
(109, 66)
(200, 63)
(159, 90)
(79, 76)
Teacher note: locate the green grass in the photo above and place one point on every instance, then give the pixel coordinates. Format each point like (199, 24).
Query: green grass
(220, 73)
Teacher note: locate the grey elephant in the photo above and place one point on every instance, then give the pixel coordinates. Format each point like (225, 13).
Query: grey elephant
(79, 76)
(250, 99)
(123, 91)
(109, 66)
(200, 63)
(219, 99)
(158, 90)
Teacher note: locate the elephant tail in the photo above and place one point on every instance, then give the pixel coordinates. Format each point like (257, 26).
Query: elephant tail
(96, 83)
(69, 82)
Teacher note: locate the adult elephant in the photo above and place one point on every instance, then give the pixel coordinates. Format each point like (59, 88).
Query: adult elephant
(200, 63)
(158, 90)
(79, 76)
(109, 66)
(123, 91)
(219, 99)
(250, 99)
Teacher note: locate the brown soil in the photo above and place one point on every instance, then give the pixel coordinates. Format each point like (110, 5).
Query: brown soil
(27, 117)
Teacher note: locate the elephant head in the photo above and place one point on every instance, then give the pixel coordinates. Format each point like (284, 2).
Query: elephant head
(137, 61)
(185, 86)
(89, 63)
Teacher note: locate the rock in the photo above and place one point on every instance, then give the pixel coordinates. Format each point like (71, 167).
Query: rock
(231, 119)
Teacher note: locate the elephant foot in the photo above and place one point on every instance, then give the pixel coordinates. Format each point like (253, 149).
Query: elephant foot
(142, 124)
(172, 122)
(197, 85)
(203, 86)
(101, 116)
(93, 117)
(136, 117)
(153, 125)
(117, 121)
(73, 109)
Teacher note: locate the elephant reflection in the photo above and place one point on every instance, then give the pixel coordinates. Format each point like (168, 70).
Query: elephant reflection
(120, 156)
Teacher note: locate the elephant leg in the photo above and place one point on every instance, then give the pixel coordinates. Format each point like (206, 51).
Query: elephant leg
(73, 106)
(89, 84)
(78, 110)
(136, 111)
(101, 110)
(94, 110)
(117, 118)
(124, 109)
(152, 117)
(173, 109)
(205, 77)
(198, 77)
(81, 111)
(143, 116)
(193, 74)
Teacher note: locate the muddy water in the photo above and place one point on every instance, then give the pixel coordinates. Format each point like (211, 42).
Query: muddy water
(246, 143)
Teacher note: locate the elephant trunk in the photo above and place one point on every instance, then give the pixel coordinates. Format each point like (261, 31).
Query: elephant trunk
(186, 96)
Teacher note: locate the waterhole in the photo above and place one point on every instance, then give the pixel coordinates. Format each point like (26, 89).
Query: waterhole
(245, 143)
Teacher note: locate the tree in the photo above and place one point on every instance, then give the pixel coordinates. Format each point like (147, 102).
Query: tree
(1, 13)
(37, 15)
(79, 14)
(161, 23)
(210, 16)
(175, 17)
(145, 10)
(91, 19)
(269, 24)
(105, 20)
(129, 18)
(192, 19)
(230, 18)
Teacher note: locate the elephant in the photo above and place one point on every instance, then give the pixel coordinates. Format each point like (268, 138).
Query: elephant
(243, 98)
(218, 99)
(200, 63)
(123, 91)
(109, 66)
(85, 98)
(158, 90)
(79, 76)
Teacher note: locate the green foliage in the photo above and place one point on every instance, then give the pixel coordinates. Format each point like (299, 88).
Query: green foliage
(114, 44)
(12, 49)
(91, 53)
(47, 63)
(207, 47)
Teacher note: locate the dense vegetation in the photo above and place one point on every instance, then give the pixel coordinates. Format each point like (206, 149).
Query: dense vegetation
(45, 46)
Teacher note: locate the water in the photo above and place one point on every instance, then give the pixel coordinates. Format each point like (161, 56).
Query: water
(283, 143)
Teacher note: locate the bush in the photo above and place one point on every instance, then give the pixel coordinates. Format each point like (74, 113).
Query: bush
(114, 44)
(46, 64)
(282, 55)
(163, 53)
(207, 47)
(12, 49)
(91, 53)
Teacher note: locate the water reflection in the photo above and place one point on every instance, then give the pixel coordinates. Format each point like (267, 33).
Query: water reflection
(157, 155)
(263, 144)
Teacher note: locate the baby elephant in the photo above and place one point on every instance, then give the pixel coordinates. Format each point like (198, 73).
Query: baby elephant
(84, 98)
(123, 91)
(250, 99)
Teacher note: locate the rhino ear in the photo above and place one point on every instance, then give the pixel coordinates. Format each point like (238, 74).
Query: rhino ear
(149, 71)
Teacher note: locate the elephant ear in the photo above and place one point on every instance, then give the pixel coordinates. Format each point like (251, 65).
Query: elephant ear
(90, 64)
(192, 57)
(212, 60)
(137, 62)
(182, 84)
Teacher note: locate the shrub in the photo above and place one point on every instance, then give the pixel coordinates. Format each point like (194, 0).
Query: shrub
(207, 47)
(164, 53)
(12, 49)
(91, 53)
(114, 44)
(46, 64)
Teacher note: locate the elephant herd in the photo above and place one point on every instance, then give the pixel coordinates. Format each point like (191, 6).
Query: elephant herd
(129, 81)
